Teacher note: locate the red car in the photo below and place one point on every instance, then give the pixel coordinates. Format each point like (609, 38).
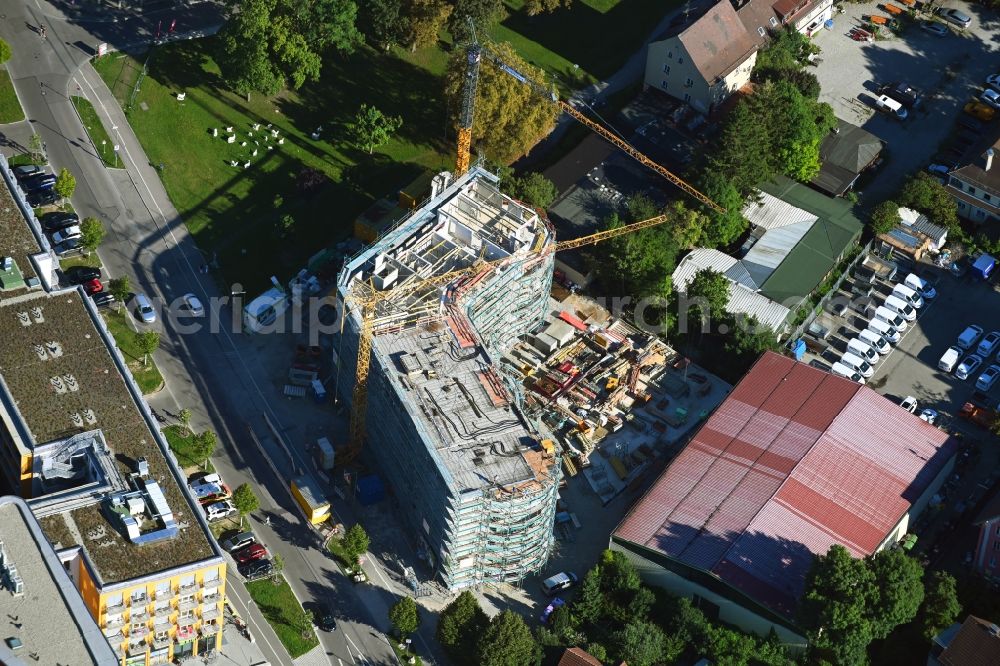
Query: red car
(250, 553)
(93, 286)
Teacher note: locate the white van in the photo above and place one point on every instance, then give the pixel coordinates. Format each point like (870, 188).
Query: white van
(891, 317)
(858, 363)
(908, 294)
(950, 359)
(560, 581)
(907, 311)
(875, 340)
(859, 348)
(850, 373)
(890, 106)
(885, 329)
(921, 285)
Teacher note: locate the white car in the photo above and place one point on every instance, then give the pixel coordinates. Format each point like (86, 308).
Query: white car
(145, 308)
(929, 415)
(909, 403)
(988, 378)
(219, 510)
(60, 237)
(990, 97)
(193, 305)
(988, 345)
(968, 366)
(969, 336)
(993, 81)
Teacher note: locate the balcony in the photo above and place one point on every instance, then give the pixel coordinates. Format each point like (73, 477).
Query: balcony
(165, 595)
(161, 640)
(209, 630)
(188, 604)
(139, 632)
(139, 614)
(210, 613)
(213, 598)
(185, 633)
(114, 634)
(116, 609)
(137, 649)
(188, 588)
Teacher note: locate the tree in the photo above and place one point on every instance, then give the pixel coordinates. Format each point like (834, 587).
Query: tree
(203, 446)
(304, 622)
(277, 566)
(460, 625)
(835, 608)
(746, 341)
(941, 606)
(535, 189)
(5, 52)
(641, 262)
(356, 541)
(709, 292)
(382, 21)
(404, 617)
(723, 228)
(926, 194)
(510, 117)
(507, 641)
(36, 147)
(597, 651)
(484, 14)
(120, 288)
(535, 7)
(91, 233)
(286, 224)
(146, 343)
(269, 44)
(245, 500)
(424, 20)
(725, 646)
(65, 184)
(589, 603)
(900, 590)
(640, 604)
(885, 217)
(640, 643)
(184, 416)
(371, 128)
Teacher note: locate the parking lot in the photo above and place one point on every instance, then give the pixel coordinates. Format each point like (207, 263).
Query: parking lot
(949, 70)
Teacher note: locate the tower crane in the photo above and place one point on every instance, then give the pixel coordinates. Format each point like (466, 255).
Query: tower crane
(364, 298)
(475, 55)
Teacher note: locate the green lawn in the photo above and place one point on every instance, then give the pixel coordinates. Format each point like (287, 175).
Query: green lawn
(285, 615)
(95, 130)
(10, 108)
(81, 260)
(181, 442)
(146, 376)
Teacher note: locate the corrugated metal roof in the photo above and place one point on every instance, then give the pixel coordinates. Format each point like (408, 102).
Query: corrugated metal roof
(792, 462)
(772, 248)
(742, 299)
(770, 212)
(911, 219)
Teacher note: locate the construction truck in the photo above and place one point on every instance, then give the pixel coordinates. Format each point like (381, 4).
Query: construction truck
(311, 500)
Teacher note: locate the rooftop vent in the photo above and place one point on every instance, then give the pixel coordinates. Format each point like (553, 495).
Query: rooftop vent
(24, 318)
(7, 263)
(36, 314)
(40, 351)
(142, 465)
(89, 416)
(57, 384)
(76, 419)
(71, 382)
(54, 348)
(14, 643)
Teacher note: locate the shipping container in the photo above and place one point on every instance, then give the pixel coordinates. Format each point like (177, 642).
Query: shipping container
(309, 495)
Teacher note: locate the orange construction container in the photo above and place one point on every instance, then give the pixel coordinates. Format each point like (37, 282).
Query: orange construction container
(892, 9)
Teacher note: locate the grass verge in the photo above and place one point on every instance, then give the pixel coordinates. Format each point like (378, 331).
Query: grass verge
(285, 615)
(181, 442)
(147, 376)
(10, 107)
(402, 655)
(95, 129)
(338, 552)
(91, 260)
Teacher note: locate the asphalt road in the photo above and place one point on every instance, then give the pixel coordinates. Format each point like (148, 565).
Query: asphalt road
(212, 374)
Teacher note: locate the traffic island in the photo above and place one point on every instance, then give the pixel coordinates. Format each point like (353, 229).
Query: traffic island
(285, 614)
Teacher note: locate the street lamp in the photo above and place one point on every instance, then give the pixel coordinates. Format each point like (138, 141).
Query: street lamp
(104, 145)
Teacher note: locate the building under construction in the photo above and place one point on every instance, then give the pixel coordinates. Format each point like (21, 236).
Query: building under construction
(474, 478)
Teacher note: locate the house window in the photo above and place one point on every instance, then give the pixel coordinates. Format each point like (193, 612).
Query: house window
(687, 98)
(774, 22)
(210, 575)
(666, 69)
(663, 84)
(680, 60)
(980, 214)
(136, 626)
(970, 189)
(139, 596)
(987, 197)
(186, 617)
(670, 54)
(689, 83)
(761, 31)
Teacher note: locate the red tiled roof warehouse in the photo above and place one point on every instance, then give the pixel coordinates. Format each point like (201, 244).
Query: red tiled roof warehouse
(793, 461)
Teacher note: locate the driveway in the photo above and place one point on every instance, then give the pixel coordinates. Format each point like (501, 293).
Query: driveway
(949, 70)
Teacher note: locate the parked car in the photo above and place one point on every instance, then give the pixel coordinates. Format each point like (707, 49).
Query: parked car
(939, 169)
(81, 274)
(923, 286)
(255, 569)
(949, 359)
(983, 112)
(63, 234)
(549, 609)
(559, 582)
(991, 97)
(42, 198)
(988, 345)
(903, 93)
(191, 303)
(44, 181)
(237, 541)
(219, 510)
(56, 221)
(968, 366)
(934, 28)
(889, 105)
(323, 617)
(961, 19)
(909, 403)
(93, 286)
(144, 308)
(254, 551)
(929, 415)
(988, 378)
(103, 299)
(68, 247)
(969, 336)
(27, 170)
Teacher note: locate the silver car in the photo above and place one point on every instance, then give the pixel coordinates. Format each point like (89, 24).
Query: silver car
(144, 308)
(961, 19)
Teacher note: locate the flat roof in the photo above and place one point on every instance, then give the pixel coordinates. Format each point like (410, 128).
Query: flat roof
(49, 618)
(16, 239)
(46, 412)
(793, 461)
